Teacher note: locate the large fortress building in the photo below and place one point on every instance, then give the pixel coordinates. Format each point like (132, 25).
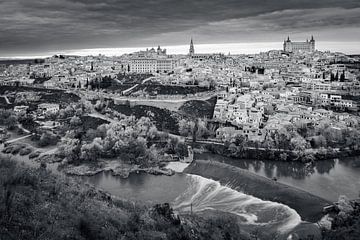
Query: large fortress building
(308, 46)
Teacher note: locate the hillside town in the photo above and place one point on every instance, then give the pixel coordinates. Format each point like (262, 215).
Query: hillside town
(258, 95)
(243, 136)
(179, 120)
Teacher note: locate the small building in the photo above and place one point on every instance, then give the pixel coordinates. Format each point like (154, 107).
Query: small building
(48, 108)
(20, 109)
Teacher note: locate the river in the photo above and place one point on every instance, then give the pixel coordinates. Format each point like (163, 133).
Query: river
(185, 192)
(327, 179)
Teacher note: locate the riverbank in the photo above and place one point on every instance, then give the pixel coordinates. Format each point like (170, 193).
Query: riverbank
(115, 167)
(307, 205)
(306, 156)
(39, 205)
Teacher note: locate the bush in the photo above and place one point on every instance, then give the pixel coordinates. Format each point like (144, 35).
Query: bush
(34, 154)
(48, 139)
(25, 151)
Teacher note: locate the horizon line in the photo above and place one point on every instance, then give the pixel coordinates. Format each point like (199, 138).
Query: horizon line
(256, 48)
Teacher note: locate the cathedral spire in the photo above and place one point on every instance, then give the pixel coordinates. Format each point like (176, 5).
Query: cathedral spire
(191, 50)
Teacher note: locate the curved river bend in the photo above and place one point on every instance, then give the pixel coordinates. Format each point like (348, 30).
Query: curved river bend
(185, 191)
(191, 191)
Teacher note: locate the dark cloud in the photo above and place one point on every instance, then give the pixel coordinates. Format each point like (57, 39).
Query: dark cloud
(54, 25)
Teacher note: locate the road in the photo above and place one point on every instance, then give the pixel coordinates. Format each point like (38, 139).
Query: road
(6, 99)
(18, 139)
(129, 90)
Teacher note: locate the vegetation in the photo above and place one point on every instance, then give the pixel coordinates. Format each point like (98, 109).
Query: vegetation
(134, 141)
(199, 108)
(8, 119)
(159, 89)
(156, 115)
(34, 204)
(346, 224)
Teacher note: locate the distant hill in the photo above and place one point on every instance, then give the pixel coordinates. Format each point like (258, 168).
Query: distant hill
(20, 61)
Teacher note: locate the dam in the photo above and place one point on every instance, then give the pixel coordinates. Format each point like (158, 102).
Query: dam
(308, 206)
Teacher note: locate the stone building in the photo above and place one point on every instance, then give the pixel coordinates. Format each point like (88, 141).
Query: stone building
(307, 46)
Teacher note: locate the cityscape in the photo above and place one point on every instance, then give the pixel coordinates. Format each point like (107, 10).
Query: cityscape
(152, 144)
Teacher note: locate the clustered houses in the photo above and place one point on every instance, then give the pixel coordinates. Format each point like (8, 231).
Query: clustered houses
(258, 94)
(63, 71)
(273, 90)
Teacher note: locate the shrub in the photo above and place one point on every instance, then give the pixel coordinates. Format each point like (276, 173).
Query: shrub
(48, 139)
(25, 151)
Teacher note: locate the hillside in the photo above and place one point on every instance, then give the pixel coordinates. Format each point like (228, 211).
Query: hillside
(34, 204)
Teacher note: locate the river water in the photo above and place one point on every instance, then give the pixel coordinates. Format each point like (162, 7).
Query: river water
(327, 179)
(188, 193)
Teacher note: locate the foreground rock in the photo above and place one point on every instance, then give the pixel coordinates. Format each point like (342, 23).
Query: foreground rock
(309, 207)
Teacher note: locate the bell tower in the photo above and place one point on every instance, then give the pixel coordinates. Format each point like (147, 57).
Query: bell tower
(312, 44)
(191, 50)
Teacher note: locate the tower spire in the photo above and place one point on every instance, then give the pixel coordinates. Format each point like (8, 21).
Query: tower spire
(191, 50)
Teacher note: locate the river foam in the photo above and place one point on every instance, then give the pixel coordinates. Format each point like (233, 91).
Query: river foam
(206, 194)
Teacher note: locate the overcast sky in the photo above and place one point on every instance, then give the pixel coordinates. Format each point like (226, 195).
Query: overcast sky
(41, 26)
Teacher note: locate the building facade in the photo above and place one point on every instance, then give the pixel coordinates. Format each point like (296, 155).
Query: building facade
(307, 46)
(153, 65)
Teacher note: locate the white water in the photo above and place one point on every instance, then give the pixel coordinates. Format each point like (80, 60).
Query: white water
(206, 194)
(177, 166)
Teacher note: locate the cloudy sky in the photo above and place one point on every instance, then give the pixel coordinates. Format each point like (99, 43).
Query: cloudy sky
(48, 26)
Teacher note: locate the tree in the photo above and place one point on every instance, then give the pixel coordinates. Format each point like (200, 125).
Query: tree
(186, 127)
(87, 83)
(69, 148)
(75, 121)
(283, 156)
(48, 138)
(298, 143)
(240, 142)
(8, 119)
(233, 149)
(201, 129)
(342, 76)
(91, 152)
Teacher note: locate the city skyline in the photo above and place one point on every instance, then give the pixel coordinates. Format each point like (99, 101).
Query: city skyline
(232, 48)
(40, 27)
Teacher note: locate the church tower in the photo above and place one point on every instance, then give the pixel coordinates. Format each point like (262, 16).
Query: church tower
(191, 50)
(312, 44)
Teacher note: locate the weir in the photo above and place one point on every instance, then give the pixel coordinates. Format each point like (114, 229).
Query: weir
(204, 194)
(308, 206)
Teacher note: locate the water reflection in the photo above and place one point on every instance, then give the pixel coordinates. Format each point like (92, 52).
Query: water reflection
(140, 187)
(325, 166)
(270, 169)
(327, 179)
